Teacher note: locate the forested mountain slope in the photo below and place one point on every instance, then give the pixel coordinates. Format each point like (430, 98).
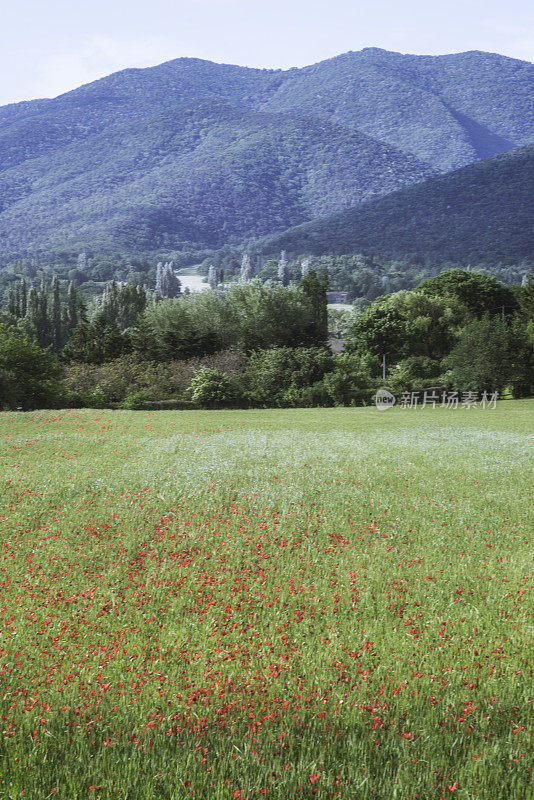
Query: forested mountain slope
(196, 153)
(484, 211)
(199, 173)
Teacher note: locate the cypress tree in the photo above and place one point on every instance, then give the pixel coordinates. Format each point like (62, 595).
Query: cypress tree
(23, 298)
(42, 330)
(56, 315)
(17, 301)
(33, 311)
(171, 284)
(314, 287)
(72, 303)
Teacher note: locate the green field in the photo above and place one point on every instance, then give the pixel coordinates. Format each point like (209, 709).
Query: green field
(289, 604)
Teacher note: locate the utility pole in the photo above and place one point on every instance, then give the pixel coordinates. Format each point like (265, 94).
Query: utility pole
(384, 367)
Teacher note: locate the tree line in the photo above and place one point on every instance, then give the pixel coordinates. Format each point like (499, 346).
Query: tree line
(260, 343)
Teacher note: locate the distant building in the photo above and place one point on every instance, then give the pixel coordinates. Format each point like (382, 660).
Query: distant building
(333, 298)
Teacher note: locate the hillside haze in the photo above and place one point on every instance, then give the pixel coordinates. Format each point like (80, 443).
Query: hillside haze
(195, 154)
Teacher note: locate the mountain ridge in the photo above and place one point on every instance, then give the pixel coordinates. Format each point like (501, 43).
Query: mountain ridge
(421, 114)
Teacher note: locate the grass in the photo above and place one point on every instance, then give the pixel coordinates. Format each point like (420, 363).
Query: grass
(289, 604)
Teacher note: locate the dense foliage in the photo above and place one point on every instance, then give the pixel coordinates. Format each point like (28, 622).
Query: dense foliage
(266, 344)
(29, 376)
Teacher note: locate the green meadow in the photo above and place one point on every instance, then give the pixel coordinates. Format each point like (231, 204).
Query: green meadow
(328, 603)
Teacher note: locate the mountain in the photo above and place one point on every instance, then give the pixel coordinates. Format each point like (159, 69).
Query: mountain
(191, 153)
(448, 110)
(198, 174)
(484, 211)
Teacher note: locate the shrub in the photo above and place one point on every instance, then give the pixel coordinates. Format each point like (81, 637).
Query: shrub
(210, 388)
(94, 399)
(351, 382)
(135, 401)
(414, 374)
(119, 378)
(230, 362)
(277, 377)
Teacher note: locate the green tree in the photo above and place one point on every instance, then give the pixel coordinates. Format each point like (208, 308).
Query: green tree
(480, 293)
(280, 376)
(32, 318)
(43, 333)
(11, 302)
(350, 382)
(23, 297)
(526, 298)
(283, 270)
(483, 357)
(95, 342)
(56, 315)
(269, 315)
(314, 288)
(29, 375)
(72, 302)
(144, 341)
(408, 324)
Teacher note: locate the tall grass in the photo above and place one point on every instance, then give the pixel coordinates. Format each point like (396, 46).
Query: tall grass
(290, 604)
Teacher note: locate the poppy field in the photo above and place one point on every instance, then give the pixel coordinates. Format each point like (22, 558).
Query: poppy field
(319, 603)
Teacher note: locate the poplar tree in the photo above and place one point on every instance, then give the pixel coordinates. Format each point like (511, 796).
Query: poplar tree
(212, 277)
(246, 269)
(159, 278)
(283, 271)
(110, 301)
(167, 284)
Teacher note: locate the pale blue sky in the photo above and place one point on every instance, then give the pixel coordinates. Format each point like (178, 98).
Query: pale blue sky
(50, 46)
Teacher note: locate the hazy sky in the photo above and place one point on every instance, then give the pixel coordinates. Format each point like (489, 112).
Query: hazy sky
(50, 46)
